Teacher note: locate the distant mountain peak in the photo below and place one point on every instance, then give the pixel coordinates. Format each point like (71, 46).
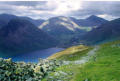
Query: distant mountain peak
(105, 32)
(60, 22)
(93, 17)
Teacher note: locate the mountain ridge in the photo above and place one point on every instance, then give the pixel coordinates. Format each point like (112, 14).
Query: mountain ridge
(5, 18)
(106, 31)
(91, 21)
(21, 35)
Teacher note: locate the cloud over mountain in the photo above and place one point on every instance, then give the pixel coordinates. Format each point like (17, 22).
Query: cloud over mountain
(50, 8)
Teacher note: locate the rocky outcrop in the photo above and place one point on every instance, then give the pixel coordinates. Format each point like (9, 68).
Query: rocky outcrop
(20, 71)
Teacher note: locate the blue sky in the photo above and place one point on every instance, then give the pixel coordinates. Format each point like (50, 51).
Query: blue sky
(75, 8)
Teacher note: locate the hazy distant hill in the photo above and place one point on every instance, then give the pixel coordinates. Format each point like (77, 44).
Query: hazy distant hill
(105, 32)
(22, 36)
(91, 21)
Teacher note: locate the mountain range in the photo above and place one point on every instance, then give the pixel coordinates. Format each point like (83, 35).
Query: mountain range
(24, 34)
(62, 28)
(65, 28)
(91, 21)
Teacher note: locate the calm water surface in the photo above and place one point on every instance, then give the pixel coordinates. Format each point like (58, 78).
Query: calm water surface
(33, 56)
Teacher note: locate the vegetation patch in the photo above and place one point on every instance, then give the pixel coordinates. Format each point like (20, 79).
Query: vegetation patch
(103, 66)
(69, 53)
(106, 67)
(20, 71)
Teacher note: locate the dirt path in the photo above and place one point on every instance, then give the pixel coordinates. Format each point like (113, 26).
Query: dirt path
(85, 58)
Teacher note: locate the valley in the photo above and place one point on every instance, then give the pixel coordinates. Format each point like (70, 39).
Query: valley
(40, 34)
(59, 40)
(68, 49)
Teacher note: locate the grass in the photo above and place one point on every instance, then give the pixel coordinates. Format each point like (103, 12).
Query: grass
(72, 53)
(106, 67)
(70, 70)
(75, 56)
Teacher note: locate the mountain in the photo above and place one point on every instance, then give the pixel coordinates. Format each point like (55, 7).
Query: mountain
(62, 28)
(106, 32)
(36, 22)
(22, 36)
(91, 21)
(5, 18)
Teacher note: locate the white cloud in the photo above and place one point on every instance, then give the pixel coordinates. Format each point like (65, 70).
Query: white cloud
(65, 6)
(50, 8)
(106, 16)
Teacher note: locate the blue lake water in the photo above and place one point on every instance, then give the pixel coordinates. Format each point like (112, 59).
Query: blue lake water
(34, 56)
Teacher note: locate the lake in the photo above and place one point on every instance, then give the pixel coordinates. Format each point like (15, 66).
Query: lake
(34, 56)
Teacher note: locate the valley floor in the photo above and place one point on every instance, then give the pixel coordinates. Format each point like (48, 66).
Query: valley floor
(92, 64)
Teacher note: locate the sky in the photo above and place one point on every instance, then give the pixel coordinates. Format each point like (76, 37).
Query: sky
(71, 8)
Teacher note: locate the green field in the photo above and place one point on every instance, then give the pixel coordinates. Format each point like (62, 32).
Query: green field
(103, 66)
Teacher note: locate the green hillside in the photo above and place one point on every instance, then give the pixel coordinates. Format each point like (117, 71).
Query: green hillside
(104, 65)
(72, 53)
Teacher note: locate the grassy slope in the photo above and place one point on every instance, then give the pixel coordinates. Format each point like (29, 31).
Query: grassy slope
(72, 53)
(104, 66)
